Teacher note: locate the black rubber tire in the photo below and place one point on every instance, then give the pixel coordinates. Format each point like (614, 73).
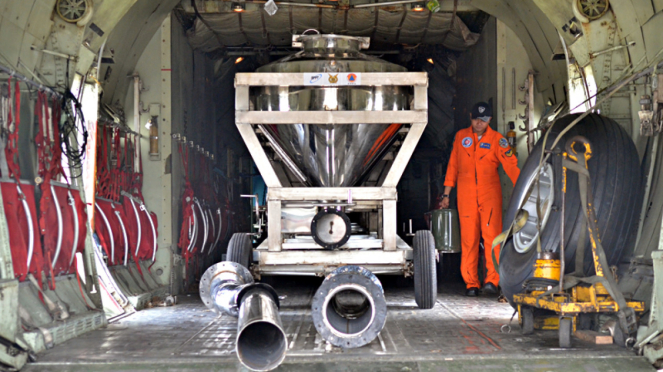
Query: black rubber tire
(565, 330)
(239, 249)
(615, 177)
(425, 277)
(528, 320)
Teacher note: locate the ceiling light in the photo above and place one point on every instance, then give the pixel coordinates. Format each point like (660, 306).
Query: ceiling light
(430, 60)
(239, 59)
(433, 6)
(237, 7)
(418, 7)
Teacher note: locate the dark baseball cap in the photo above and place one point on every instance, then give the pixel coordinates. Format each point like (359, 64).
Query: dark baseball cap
(482, 111)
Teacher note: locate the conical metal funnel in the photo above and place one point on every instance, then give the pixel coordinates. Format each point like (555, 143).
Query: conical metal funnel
(331, 155)
(334, 155)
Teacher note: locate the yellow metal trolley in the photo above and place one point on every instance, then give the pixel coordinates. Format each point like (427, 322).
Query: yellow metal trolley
(569, 296)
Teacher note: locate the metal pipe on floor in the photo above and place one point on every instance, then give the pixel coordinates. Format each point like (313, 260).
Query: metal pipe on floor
(228, 288)
(349, 309)
(261, 342)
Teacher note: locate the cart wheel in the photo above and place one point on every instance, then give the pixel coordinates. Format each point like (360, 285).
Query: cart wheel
(565, 328)
(527, 314)
(425, 279)
(618, 336)
(239, 249)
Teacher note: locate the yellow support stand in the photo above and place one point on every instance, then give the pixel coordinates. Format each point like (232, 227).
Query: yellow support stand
(583, 298)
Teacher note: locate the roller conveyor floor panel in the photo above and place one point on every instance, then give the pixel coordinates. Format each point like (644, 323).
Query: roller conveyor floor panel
(458, 334)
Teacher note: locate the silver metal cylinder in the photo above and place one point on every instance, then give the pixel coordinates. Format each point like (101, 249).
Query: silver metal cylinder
(349, 309)
(261, 342)
(220, 285)
(228, 288)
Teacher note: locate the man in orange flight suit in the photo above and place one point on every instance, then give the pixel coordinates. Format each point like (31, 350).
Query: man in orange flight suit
(477, 152)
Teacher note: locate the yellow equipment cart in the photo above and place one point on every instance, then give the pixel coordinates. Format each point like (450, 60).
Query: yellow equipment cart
(567, 297)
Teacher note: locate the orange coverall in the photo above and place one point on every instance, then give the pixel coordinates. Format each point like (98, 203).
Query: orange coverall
(472, 170)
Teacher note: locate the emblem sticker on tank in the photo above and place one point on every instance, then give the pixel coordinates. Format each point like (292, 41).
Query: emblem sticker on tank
(504, 143)
(350, 78)
(312, 79)
(484, 145)
(467, 142)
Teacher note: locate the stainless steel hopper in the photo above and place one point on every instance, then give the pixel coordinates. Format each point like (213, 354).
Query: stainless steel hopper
(331, 155)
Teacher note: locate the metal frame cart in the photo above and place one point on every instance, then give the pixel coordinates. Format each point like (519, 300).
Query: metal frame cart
(385, 253)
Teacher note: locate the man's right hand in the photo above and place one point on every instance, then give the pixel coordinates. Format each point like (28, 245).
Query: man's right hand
(444, 204)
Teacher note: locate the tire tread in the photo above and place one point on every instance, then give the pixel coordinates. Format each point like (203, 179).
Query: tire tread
(425, 277)
(239, 249)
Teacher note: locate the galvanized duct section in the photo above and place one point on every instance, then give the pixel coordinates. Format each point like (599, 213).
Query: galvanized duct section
(228, 288)
(349, 309)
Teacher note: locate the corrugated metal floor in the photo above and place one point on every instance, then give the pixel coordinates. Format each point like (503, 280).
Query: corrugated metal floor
(459, 334)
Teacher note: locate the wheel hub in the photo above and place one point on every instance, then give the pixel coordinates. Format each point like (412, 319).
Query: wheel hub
(541, 192)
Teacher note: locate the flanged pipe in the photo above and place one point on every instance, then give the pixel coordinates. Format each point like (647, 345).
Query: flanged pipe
(228, 288)
(349, 309)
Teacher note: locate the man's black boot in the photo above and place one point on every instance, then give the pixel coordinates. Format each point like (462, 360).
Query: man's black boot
(490, 288)
(472, 292)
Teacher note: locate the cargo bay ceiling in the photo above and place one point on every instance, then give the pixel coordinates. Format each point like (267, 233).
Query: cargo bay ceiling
(216, 26)
(126, 27)
(398, 33)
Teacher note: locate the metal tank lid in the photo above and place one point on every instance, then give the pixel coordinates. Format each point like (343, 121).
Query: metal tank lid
(330, 52)
(331, 43)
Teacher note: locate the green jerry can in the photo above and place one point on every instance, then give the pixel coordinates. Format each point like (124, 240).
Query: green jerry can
(445, 227)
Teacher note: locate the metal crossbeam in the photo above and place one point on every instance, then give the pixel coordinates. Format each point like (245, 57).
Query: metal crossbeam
(284, 79)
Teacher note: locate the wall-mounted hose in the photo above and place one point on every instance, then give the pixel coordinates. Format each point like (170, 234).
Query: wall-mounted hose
(154, 232)
(124, 234)
(212, 227)
(72, 203)
(194, 234)
(110, 232)
(218, 233)
(31, 228)
(202, 214)
(58, 212)
(140, 230)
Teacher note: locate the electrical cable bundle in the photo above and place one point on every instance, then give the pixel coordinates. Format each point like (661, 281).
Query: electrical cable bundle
(73, 124)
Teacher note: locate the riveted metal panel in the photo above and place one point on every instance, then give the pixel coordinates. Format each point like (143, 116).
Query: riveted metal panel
(39, 22)
(8, 309)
